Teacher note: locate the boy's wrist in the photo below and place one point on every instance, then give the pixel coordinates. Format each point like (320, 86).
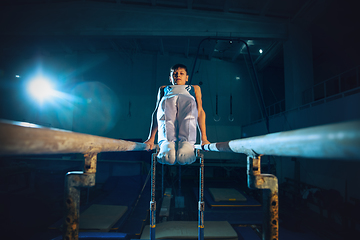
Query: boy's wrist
(203, 138)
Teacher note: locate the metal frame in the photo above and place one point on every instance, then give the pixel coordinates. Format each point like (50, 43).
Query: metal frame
(153, 200)
(201, 204)
(269, 183)
(20, 138)
(340, 141)
(73, 182)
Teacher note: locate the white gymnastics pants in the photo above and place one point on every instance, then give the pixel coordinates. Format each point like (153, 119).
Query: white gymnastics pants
(177, 119)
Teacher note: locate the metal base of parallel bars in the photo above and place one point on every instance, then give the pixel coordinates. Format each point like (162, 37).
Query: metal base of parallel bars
(201, 204)
(73, 182)
(269, 183)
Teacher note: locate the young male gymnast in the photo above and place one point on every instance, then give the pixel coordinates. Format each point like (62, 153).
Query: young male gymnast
(178, 110)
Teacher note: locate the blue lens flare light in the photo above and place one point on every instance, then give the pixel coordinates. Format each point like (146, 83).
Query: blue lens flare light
(40, 89)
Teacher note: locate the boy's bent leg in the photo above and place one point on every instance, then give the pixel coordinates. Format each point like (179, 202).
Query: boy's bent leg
(187, 118)
(166, 117)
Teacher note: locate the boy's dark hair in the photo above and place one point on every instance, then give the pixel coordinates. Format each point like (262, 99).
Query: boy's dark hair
(179, 65)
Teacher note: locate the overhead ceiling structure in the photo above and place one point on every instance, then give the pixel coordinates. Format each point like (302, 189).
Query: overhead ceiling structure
(152, 26)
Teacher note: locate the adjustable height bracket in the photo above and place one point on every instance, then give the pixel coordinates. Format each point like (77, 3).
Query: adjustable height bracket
(269, 183)
(73, 182)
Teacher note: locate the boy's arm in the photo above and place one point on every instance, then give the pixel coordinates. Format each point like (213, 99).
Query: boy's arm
(154, 125)
(201, 116)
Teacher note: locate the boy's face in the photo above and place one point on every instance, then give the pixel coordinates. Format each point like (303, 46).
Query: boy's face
(179, 76)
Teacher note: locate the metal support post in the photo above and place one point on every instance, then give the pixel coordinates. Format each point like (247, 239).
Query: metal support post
(153, 201)
(269, 183)
(201, 205)
(73, 181)
(162, 180)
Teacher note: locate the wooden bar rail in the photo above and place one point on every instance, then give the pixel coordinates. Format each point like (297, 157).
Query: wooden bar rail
(20, 138)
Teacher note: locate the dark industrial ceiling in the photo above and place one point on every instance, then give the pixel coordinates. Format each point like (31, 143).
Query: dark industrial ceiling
(173, 27)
